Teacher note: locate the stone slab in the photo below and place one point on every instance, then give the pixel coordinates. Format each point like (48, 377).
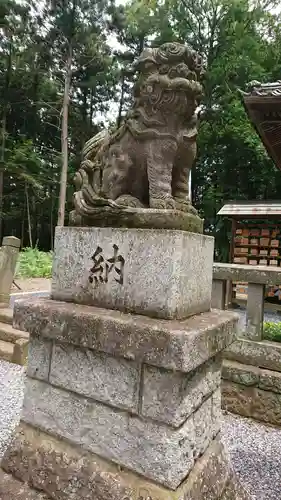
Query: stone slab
(262, 354)
(248, 375)
(252, 402)
(171, 397)
(263, 275)
(39, 358)
(155, 451)
(158, 273)
(59, 469)
(270, 381)
(241, 374)
(174, 345)
(12, 489)
(143, 218)
(115, 381)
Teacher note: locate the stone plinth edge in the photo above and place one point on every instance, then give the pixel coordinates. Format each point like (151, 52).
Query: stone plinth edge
(174, 345)
(56, 468)
(142, 218)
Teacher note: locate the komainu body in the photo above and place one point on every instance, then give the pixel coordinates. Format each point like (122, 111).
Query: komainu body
(146, 162)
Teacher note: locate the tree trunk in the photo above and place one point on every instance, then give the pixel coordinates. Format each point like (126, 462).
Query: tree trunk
(91, 110)
(28, 215)
(22, 222)
(51, 219)
(2, 166)
(121, 103)
(64, 140)
(3, 141)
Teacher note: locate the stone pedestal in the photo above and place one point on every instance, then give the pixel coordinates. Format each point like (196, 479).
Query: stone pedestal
(159, 273)
(121, 405)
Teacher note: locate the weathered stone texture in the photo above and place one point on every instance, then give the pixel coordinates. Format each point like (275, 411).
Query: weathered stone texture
(171, 397)
(233, 490)
(142, 218)
(64, 471)
(8, 260)
(252, 402)
(217, 411)
(162, 343)
(147, 161)
(11, 489)
(167, 274)
(262, 354)
(270, 381)
(240, 373)
(255, 310)
(96, 375)
(264, 275)
(60, 471)
(156, 451)
(39, 358)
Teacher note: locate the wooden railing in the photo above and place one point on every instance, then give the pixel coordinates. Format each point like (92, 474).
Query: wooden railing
(257, 278)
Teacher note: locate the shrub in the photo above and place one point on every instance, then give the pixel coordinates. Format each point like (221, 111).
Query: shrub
(272, 331)
(32, 263)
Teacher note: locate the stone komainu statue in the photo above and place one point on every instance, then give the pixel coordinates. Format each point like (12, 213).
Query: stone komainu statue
(146, 162)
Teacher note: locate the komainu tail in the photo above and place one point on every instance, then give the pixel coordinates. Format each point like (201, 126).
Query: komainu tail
(87, 180)
(94, 144)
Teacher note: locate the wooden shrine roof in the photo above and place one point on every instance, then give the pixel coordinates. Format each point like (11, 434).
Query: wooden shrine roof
(263, 105)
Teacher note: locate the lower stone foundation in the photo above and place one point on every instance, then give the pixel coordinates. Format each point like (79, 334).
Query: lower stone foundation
(58, 471)
(252, 392)
(121, 406)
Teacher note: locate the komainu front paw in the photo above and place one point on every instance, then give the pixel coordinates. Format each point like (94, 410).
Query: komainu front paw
(185, 206)
(167, 203)
(126, 200)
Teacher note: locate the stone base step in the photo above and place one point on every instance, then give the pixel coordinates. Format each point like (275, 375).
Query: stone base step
(10, 334)
(12, 489)
(13, 344)
(6, 350)
(6, 315)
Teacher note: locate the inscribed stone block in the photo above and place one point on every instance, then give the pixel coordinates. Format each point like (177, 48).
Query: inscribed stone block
(39, 358)
(161, 273)
(96, 375)
(156, 451)
(171, 397)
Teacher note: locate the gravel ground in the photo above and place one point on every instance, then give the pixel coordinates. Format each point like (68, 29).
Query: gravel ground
(31, 284)
(11, 399)
(255, 452)
(254, 449)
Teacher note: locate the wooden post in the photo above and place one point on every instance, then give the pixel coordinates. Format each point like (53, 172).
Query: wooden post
(255, 311)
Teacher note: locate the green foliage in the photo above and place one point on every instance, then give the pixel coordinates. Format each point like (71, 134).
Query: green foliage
(272, 331)
(33, 263)
(240, 41)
